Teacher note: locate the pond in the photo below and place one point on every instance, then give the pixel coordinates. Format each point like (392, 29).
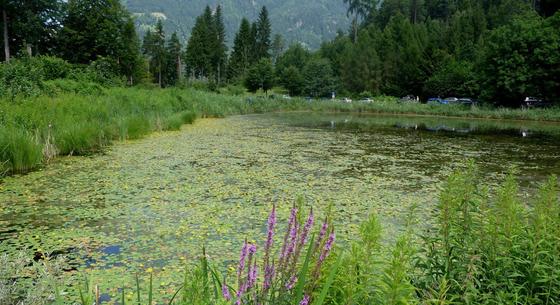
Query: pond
(152, 204)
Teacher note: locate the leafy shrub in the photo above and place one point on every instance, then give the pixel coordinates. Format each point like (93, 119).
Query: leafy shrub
(20, 78)
(58, 86)
(52, 67)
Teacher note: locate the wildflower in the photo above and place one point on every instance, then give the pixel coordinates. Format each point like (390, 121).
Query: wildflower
(268, 276)
(293, 280)
(271, 225)
(322, 233)
(305, 300)
(242, 258)
(225, 292)
(292, 225)
(306, 228)
(328, 246)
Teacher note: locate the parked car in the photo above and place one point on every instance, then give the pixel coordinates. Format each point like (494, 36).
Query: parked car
(346, 100)
(366, 100)
(466, 101)
(409, 99)
(451, 100)
(436, 101)
(286, 97)
(533, 102)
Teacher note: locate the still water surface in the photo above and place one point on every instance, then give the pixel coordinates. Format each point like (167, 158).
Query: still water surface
(155, 202)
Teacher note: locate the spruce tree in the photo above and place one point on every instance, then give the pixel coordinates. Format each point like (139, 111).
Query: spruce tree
(220, 51)
(173, 66)
(262, 35)
(241, 55)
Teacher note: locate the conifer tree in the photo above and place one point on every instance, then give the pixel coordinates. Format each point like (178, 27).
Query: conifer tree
(242, 51)
(174, 64)
(262, 35)
(220, 51)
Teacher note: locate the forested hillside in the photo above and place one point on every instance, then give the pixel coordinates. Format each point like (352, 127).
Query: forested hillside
(309, 22)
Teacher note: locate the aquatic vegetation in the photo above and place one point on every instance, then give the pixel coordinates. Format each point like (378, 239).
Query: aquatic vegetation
(151, 204)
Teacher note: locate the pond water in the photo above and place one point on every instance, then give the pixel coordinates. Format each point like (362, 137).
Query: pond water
(154, 203)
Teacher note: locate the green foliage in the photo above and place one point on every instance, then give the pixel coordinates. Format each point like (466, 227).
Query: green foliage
(522, 59)
(260, 76)
(20, 78)
(491, 249)
(113, 40)
(262, 36)
(453, 79)
(291, 79)
(240, 58)
(318, 78)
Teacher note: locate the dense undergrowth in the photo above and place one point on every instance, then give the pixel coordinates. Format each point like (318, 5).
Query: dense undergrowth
(485, 246)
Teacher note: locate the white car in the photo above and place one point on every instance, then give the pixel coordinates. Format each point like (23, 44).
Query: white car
(366, 100)
(346, 100)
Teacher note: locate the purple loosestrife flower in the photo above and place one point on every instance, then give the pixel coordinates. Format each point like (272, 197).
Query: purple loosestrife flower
(328, 246)
(242, 258)
(268, 276)
(225, 292)
(307, 228)
(305, 300)
(252, 276)
(293, 280)
(292, 224)
(322, 233)
(270, 235)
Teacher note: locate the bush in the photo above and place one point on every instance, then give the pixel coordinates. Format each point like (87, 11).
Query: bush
(52, 67)
(20, 78)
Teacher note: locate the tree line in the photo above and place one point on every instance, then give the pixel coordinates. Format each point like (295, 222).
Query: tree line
(497, 50)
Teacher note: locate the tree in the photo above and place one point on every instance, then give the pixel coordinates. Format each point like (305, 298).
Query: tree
(260, 76)
(318, 78)
(113, 39)
(220, 51)
(241, 54)
(154, 48)
(30, 25)
(361, 66)
(173, 63)
(201, 46)
(360, 9)
(457, 78)
(262, 35)
(277, 47)
(292, 80)
(295, 56)
(521, 59)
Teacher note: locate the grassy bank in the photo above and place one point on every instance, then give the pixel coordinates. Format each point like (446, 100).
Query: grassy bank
(72, 122)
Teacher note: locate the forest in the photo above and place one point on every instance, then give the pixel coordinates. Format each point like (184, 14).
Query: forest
(496, 51)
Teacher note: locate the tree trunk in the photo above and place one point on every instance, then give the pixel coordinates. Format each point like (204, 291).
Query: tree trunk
(6, 41)
(355, 25)
(178, 68)
(29, 50)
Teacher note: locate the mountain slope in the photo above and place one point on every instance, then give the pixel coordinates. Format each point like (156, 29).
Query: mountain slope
(309, 21)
